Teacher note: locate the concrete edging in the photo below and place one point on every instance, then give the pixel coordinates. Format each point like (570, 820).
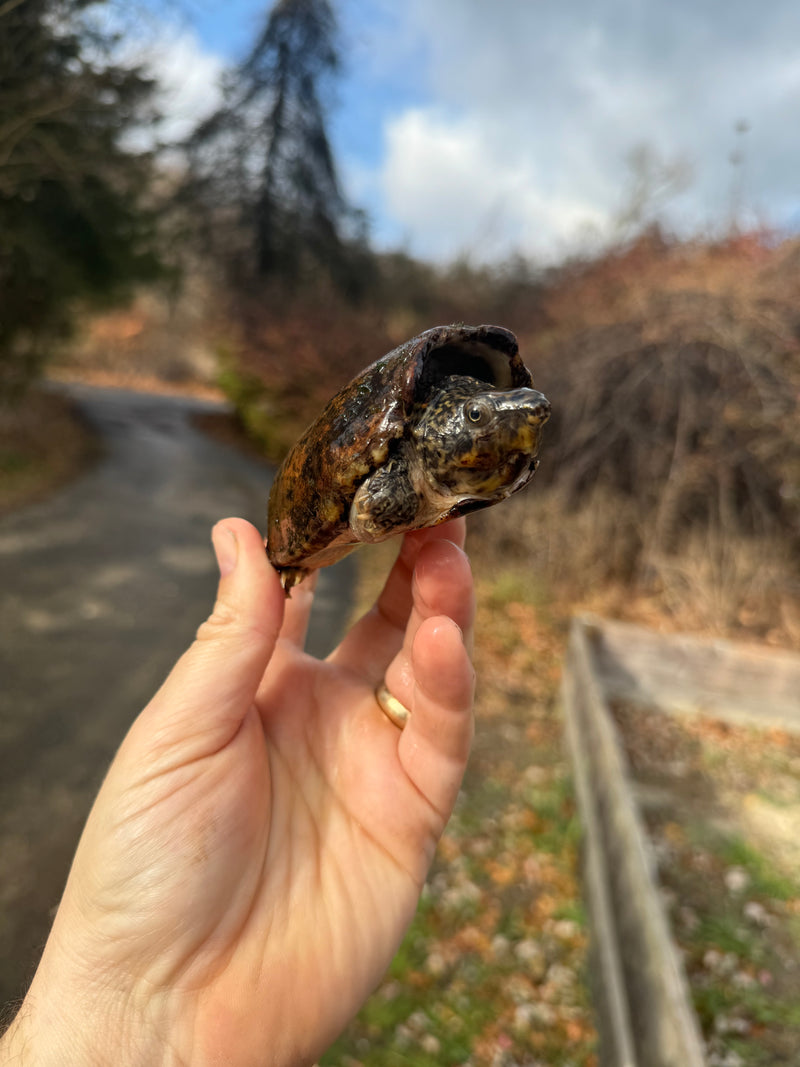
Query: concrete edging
(641, 990)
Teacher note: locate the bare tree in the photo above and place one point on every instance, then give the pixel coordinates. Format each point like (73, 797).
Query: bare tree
(653, 181)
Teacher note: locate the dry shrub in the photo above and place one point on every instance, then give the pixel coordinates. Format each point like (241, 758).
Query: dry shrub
(570, 550)
(292, 355)
(721, 584)
(695, 434)
(672, 461)
(688, 405)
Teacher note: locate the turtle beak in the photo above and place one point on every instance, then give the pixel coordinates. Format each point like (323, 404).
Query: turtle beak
(539, 407)
(530, 410)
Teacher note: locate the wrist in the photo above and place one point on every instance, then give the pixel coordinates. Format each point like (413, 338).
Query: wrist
(71, 1027)
(18, 1045)
(13, 1043)
(34, 1040)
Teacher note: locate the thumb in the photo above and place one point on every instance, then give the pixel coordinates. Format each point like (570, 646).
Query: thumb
(212, 686)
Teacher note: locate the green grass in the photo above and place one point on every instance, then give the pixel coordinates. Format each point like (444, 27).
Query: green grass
(554, 804)
(769, 1004)
(520, 586)
(574, 911)
(733, 850)
(255, 409)
(761, 1009)
(766, 881)
(727, 933)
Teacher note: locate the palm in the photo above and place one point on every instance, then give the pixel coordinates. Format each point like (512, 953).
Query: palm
(294, 841)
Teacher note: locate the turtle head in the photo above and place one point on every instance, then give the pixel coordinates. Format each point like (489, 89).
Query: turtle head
(475, 440)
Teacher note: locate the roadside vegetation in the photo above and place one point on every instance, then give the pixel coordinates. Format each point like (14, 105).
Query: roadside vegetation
(42, 444)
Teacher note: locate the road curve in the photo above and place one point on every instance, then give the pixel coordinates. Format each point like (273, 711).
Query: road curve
(101, 587)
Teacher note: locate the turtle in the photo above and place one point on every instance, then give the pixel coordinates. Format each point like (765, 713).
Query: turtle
(443, 425)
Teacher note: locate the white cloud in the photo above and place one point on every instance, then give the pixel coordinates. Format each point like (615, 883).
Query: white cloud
(460, 193)
(188, 76)
(534, 109)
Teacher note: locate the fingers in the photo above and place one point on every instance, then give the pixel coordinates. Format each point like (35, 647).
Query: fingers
(375, 638)
(434, 746)
(212, 686)
(442, 586)
(297, 613)
(395, 601)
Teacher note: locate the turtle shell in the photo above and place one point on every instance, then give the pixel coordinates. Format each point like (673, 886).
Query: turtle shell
(311, 496)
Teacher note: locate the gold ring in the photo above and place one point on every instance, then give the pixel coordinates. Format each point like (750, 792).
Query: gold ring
(391, 707)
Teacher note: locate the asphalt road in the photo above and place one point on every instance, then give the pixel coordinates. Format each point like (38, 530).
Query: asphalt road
(101, 587)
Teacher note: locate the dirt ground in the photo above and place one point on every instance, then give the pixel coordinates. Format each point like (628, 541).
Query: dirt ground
(722, 807)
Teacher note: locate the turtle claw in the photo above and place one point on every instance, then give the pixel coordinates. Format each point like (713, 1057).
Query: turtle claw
(290, 576)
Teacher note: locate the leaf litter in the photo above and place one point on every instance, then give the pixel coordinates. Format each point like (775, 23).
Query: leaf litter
(492, 972)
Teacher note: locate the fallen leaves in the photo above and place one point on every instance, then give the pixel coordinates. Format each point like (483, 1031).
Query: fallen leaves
(491, 973)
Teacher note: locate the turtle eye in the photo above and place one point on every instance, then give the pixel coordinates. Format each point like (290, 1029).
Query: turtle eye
(477, 412)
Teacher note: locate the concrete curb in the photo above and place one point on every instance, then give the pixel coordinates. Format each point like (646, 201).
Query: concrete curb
(642, 995)
(683, 675)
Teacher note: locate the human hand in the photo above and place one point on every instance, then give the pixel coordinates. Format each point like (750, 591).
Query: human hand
(258, 847)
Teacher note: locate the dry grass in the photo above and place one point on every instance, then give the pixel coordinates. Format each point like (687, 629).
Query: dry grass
(587, 559)
(43, 444)
(722, 585)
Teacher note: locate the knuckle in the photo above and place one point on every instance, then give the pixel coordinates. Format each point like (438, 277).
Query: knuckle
(221, 620)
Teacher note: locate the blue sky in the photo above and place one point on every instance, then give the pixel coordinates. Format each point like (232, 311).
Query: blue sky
(473, 128)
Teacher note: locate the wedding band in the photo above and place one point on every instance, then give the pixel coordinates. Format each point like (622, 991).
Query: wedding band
(391, 707)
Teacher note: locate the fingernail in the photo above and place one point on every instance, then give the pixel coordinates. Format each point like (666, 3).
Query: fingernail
(226, 549)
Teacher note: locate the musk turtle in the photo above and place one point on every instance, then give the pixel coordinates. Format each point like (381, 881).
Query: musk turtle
(445, 424)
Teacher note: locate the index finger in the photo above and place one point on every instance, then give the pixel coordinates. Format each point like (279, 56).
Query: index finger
(377, 636)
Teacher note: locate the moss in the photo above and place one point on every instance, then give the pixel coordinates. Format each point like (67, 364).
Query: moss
(257, 411)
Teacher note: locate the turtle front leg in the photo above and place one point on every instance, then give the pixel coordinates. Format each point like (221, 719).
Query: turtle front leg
(385, 504)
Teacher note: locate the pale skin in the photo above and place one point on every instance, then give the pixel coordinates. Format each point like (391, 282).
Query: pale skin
(260, 842)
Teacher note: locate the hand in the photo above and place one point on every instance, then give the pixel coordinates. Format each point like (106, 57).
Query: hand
(259, 844)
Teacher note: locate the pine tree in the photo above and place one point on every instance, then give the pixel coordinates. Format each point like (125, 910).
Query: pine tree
(266, 152)
(73, 227)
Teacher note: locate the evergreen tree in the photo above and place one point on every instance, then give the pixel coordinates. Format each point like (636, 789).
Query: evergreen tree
(266, 152)
(72, 222)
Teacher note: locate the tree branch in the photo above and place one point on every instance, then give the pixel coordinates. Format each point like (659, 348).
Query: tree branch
(8, 6)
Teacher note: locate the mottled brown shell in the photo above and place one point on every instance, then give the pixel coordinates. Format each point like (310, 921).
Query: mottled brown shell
(313, 490)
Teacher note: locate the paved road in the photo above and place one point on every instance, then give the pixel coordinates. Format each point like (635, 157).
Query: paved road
(101, 587)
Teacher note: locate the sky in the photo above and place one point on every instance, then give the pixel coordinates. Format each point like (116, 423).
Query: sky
(487, 128)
